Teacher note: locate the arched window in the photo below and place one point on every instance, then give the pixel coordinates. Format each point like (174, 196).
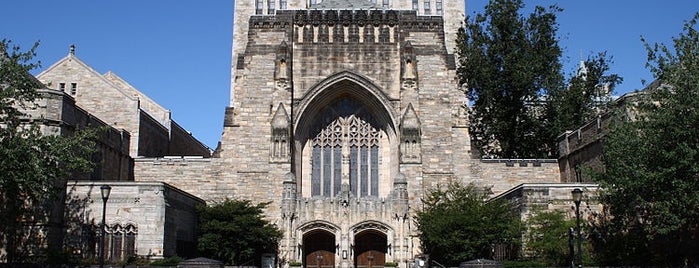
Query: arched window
(345, 134)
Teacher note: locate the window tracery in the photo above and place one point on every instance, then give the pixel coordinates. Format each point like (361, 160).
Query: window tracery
(345, 135)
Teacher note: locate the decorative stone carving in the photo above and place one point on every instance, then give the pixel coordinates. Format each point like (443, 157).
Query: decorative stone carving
(279, 147)
(409, 68)
(410, 136)
(281, 70)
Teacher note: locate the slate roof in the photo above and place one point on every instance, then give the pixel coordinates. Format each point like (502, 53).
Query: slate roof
(344, 4)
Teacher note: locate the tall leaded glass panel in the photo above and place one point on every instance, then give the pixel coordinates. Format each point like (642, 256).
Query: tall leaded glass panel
(315, 176)
(345, 130)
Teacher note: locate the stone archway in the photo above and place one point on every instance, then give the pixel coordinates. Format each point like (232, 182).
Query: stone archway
(370, 248)
(319, 249)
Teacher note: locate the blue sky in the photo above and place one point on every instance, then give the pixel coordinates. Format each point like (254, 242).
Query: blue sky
(179, 52)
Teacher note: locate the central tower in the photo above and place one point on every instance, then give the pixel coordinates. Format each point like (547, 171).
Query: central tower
(344, 111)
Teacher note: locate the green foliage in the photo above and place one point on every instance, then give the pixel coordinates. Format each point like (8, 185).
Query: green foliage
(169, 261)
(456, 224)
(652, 167)
(547, 238)
(295, 263)
(34, 166)
(235, 232)
(510, 64)
(390, 264)
(588, 94)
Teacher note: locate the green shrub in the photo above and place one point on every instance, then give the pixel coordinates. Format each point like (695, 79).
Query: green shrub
(169, 261)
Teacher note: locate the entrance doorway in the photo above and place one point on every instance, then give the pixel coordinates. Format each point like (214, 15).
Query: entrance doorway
(370, 249)
(319, 249)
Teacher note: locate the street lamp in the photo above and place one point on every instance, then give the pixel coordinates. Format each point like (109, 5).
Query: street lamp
(105, 189)
(577, 197)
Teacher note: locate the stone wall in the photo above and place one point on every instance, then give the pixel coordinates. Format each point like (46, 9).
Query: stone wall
(182, 143)
(59, 115)
(504, 174)
(163, 215)
(96, 95)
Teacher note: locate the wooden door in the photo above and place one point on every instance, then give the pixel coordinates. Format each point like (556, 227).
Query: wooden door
(320, 259)
(371, 258)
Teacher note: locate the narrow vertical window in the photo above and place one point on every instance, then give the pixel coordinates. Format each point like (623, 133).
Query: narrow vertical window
(438, 7)
(416, 4)
(327, 171)
(354, 161)
(315, 175)
(385, 3)
(374, 171)
(117, 240)
(130, 246)
(62, 87)
(259, 6)
(73, 88)
(313, 2)
(427, 7)
(337, 166)
(364, 172)
(373, 1)
(270, 6)
(282, 4)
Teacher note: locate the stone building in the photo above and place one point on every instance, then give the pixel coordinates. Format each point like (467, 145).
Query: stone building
(342, 114)
(580, 149)
(120, 105)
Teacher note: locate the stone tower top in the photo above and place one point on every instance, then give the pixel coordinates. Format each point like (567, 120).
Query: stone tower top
(452, 11)
(344, 4)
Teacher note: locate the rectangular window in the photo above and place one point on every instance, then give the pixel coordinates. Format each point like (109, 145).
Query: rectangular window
(327, 170)
(313, 2)
(116, 246)
(62, 87)
(73, 88)
(385, 3)
(315, 173)
(375, 171)
(427, 7)
(259, 6)
(373, 1)
(130, 247)
(438, 7)
(416, 4)
(282, 4)
(364, 173)
(270, 6)
(354, 161)
(337, 166)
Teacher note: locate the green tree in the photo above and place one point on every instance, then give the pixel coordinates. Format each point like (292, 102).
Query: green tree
(587, 95)
(510, 64)
(34, 166)
(457, 224)
(236, 232)
(652, 166)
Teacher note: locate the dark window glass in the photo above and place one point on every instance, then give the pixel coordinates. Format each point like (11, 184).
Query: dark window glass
(315, 177)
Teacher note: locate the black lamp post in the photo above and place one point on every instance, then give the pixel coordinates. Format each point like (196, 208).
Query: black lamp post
(571, 247)
(577, 197)
(105, 189)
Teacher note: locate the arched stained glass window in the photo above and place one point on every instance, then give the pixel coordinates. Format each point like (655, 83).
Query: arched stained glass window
(345, 131)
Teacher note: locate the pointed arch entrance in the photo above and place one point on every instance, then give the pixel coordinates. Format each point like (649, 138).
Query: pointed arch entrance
(319, 249)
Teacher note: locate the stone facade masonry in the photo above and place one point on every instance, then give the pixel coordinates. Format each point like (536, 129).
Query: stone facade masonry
(377, 87)
(164, 216)
(121, 106)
